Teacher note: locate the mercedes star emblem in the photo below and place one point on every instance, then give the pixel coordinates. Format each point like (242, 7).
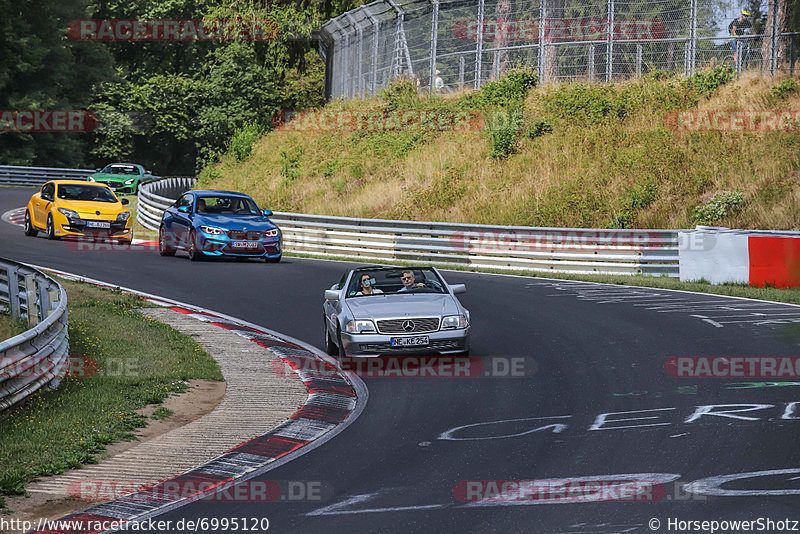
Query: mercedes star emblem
(408, 326)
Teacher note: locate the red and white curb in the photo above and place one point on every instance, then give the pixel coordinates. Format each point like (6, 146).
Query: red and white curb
(15, 216)
(335, 401)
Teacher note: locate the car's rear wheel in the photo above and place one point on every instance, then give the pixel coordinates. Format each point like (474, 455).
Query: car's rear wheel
(272, 260)
(194, 250)
(51, 231)
(30, 231)
(163, 246)
(330, 346)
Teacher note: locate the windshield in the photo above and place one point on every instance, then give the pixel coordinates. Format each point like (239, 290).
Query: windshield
(228, 205)
(121, 169)
(94, 193)
(412, 280)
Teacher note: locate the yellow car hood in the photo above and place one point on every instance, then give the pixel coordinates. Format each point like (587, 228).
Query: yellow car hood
(88, 209)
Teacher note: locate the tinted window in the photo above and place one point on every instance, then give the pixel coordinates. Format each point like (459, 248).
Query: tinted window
(94, 193)
(185, 200)
(121, 169)
(229, 205)
(48, 190)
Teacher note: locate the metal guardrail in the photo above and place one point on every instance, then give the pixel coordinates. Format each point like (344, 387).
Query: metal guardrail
(33, 176)
(158, 195)
(40, 355)
(572, 250)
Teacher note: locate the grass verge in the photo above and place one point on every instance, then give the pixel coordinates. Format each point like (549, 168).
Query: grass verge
(11, 326)
(120, 362)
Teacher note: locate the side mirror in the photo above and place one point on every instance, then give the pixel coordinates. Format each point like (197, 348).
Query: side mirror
(184, 209)
(125, 201)
(458, 288)
(267, 213)
(148, 172)
(331, 294)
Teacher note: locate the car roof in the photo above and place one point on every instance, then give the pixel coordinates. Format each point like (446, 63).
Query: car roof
(75, 182)
(120, 163)
(207, 192)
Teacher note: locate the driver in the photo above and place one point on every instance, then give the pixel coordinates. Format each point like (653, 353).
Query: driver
(409, 282)
(201, 205)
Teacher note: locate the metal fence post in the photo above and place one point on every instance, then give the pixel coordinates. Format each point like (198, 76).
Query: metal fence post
(461, 62)
(434, 38)
(791, 54)
(739, 51)
(31, 299)
(591, 61)
(693, 36)
(542, 23)
(13, 292)
(479, 45)
(638, 60)
(610, 42)
(376, 29)
(686, 52)
(773, 53)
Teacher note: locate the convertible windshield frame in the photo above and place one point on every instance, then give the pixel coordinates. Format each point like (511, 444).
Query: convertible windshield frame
(391, 279)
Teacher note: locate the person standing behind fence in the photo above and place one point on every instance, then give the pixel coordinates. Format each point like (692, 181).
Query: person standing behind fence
(738, 27)
(438, 83)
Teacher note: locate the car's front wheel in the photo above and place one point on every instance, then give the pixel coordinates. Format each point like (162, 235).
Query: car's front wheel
(163, 243)
(276, 259)
(330, 346)
(51, 231)
(30, 231)
(342, 353)
(194, 250)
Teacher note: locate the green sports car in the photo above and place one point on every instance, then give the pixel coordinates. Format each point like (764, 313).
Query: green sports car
(122, 177)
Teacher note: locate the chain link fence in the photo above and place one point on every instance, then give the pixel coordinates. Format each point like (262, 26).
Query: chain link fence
(446, 45)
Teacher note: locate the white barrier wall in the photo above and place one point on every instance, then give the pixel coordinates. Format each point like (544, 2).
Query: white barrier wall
(718, 256)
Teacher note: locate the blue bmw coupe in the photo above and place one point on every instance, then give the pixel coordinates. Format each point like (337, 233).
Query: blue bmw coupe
(219, 223)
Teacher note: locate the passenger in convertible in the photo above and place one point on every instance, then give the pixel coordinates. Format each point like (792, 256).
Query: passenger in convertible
(368, 285)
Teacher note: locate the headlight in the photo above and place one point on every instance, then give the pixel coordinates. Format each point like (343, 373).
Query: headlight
(123, 216)
(271, 233)
(455, 321)
(213, 230)
(129, 182)
(69, 213)
(359, 327)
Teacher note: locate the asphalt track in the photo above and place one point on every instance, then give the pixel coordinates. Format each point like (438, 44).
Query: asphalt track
(584, 350)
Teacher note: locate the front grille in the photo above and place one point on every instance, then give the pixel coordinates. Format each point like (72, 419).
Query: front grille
(250, 235)
(421, 324)
(386, 347)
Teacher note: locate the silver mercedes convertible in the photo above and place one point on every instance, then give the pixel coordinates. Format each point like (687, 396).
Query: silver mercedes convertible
(375, 311)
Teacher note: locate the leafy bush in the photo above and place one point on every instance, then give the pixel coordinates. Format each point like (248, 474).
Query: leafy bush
(400, 94)
(584, 103)
(719, 206)
(503, 141)
(539, 128)
(241, 145)
(657, 74)
(783, 89)
(707, 81)
(510, 90)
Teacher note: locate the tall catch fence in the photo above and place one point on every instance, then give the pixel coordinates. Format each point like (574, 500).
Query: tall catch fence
(472, 42)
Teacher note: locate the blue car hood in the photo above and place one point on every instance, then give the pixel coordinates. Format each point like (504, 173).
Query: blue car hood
(233, 222)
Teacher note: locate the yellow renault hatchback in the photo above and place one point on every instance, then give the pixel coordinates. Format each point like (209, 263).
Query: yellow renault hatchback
(73, 208)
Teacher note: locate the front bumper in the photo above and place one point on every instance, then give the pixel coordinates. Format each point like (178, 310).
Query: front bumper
(373, 345)
(220, 245)
(119, 231)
